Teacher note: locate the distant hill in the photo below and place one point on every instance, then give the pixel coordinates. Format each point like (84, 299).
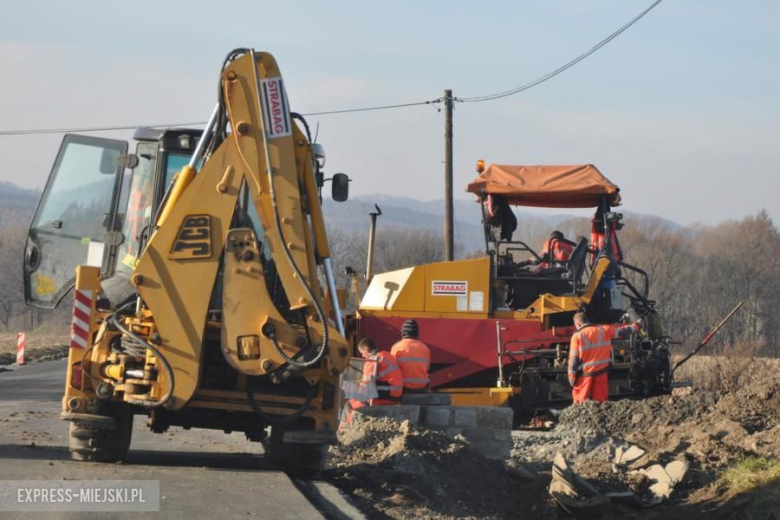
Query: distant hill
(409, 213)
(17, 205)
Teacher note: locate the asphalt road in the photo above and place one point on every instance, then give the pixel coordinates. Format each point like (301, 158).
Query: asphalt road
(202, 473)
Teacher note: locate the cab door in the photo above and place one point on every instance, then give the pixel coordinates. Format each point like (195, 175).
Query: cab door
(76, 218)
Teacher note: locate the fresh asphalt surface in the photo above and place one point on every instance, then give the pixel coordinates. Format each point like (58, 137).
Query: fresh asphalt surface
(202, 473)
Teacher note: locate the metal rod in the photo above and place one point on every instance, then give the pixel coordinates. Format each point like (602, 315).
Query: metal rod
(500, 383)
(334, 297)
(204, 137)
(709, 336)
(536, 352)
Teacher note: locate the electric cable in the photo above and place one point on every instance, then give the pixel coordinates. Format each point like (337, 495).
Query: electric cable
(563, 68)
(473, 99)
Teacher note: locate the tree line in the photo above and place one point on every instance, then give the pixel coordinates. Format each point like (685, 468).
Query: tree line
(697, 273)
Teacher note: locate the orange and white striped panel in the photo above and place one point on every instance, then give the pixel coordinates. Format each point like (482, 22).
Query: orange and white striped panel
(20, 346)
(82, 309)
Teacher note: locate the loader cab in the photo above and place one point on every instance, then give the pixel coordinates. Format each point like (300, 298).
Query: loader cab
(97, 207)
(160, 154)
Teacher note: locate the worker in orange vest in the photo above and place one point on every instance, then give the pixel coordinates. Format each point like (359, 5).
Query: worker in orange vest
(590, 357)
(414, 358)
(555, 249)
(381, 368)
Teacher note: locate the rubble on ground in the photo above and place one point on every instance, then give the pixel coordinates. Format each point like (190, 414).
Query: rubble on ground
(399, 471)
(654, 458)
(662, 450)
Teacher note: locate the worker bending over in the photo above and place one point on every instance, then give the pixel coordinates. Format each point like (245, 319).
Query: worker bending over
(590, 357)
(381, 368)
(414, 358)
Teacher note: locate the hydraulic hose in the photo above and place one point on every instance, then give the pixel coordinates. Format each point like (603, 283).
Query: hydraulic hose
(250, 393)
(113, 319)
(288, 256)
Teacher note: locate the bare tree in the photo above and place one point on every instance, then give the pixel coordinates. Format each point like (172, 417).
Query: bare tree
(11, 277)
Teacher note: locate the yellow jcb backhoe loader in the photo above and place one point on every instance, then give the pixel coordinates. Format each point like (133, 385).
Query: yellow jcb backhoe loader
(197, 293)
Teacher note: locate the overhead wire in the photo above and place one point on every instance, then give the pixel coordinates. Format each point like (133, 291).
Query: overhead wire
(562, 68)
(472, 99)
(200, 123)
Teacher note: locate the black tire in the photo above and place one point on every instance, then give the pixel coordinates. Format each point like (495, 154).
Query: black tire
(89, 443)
(300, 460)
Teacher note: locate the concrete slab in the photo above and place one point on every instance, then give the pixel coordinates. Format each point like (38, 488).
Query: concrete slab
(399, 413)
(658, 473)
(436, 416)
(676, 471)
(465, 418)
(427, 399)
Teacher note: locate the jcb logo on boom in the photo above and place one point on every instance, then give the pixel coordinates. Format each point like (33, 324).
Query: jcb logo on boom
(194, 239)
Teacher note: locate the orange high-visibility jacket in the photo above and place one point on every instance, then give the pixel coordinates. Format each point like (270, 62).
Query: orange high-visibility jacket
(561, 251)
(590, 352)
(414, 358)
(385, 371)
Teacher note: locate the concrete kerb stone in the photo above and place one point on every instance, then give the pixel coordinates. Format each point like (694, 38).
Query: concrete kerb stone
(399, 413)
(465, 418)
(436, 416)
(427, 399)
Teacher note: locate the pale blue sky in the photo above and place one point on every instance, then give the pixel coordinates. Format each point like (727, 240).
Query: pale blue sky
(681, 111)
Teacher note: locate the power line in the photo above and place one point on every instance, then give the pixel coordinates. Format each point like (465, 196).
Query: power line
(475, 99)
(200, 123)
(91, 129)
(563, 68)
(383, 107)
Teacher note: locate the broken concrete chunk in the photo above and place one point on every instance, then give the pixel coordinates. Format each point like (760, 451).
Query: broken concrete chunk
(661, 489)
(574, 495)
(676, 471)
(629, 455)
(618, 455)
(632, 454)
(657, 473)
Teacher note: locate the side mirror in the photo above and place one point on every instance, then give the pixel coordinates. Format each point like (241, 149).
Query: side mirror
(109, 161)
(340, 187)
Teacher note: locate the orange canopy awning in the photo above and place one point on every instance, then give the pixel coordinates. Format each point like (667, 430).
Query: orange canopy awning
(576, 186)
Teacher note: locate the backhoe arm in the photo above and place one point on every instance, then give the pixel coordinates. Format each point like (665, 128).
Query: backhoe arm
(178, 271)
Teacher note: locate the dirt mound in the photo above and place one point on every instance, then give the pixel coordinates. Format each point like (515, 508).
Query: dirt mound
(397, 471)
(710, 431)
(621, 418)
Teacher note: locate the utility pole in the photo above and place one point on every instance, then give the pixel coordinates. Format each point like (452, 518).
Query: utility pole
(449, 250)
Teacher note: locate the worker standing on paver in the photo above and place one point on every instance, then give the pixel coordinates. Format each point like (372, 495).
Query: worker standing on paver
(414, 358)
(590, 357)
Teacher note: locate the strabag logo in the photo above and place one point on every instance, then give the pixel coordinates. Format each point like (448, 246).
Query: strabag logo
(449, 288)
(276, 111)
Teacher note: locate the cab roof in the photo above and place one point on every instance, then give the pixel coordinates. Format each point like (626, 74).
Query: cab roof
(569, 186)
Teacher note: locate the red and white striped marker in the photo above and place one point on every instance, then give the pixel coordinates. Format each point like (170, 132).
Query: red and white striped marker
(20, 344)
(82, 308)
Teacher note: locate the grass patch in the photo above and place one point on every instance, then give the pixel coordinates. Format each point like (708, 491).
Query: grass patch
(758, 480)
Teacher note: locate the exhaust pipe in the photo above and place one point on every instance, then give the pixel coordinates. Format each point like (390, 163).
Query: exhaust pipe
(371, 237)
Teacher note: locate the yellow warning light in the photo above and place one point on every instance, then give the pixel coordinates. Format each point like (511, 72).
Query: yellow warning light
(622, 352)
(480, 166)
